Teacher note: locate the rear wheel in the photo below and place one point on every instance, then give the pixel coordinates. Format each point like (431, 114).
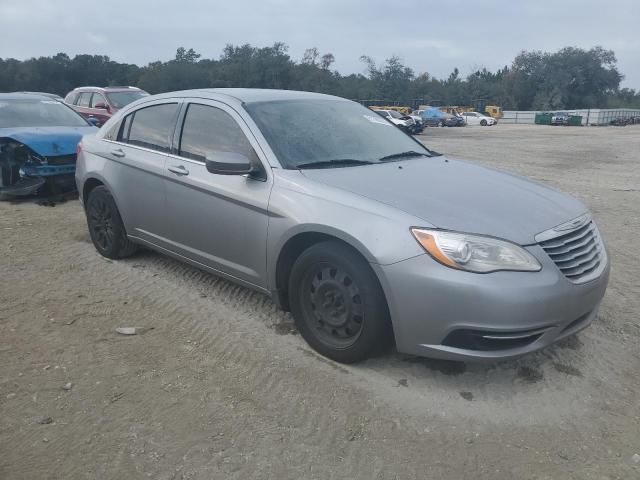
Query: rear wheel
(105, 225)
(338, 304)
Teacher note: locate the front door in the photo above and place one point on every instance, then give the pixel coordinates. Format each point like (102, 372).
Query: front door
(217, 220)
(102, 114)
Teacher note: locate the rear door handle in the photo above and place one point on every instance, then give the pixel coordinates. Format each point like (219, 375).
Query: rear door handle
(118, 152)
(178, 170)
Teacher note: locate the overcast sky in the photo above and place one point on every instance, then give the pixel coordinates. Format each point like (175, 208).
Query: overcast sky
(431, 36)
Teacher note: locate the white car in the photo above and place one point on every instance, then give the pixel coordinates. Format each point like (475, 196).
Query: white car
(475, 118)
(405, 122)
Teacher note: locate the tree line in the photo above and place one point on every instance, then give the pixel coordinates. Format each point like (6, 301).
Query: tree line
(570, 78)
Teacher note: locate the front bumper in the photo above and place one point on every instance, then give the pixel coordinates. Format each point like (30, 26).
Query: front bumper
(451, 314)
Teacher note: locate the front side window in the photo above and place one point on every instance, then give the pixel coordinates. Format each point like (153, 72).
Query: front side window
(151, 127)
(97, 98)
(208, 131)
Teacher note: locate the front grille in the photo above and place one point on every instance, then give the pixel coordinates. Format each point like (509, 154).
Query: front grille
(577, 253)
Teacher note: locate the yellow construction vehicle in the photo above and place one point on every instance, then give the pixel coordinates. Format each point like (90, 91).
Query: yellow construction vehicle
(402, 110)
(493, 111)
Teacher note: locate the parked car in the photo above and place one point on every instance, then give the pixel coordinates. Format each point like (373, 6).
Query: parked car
(434, 117)
(404, 122)
(620, 122)
(419, 122)
(102, 103)
(560, 118)
(38, 139)
(360, 230)
(475, 118)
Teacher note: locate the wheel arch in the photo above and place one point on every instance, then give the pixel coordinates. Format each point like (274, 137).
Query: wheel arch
(296, 243)
(88, 185)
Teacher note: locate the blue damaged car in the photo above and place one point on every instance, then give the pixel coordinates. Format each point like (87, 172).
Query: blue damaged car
(38, 140)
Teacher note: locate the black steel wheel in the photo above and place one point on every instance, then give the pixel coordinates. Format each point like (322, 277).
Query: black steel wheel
(338, 304)
(105, 225)
(332, 304)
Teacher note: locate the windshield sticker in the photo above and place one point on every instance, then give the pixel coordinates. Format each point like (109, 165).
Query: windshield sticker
(378, 120)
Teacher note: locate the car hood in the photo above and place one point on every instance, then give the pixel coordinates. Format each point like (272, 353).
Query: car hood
(48, 141)
(458, 195)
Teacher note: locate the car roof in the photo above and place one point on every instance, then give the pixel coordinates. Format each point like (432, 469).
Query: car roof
(249, 95)
(106, 89)
(23, 96)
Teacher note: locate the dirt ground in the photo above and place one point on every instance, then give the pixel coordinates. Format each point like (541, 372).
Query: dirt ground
(220, 385)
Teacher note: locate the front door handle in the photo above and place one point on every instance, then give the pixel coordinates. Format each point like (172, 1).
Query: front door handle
(178, 170)
(118, 152)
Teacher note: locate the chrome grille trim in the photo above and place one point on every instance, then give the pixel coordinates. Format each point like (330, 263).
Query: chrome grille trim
(578, 253)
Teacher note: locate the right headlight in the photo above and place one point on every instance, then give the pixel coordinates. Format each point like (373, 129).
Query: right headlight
(475, 253)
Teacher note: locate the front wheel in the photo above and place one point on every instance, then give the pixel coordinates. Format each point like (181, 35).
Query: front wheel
(483, 123)
(338, 304)
(106, 229)
(442, 124)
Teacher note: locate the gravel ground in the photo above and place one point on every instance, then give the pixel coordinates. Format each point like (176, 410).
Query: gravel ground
(218, 384)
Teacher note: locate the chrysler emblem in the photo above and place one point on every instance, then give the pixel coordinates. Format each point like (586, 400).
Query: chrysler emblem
(572, 224)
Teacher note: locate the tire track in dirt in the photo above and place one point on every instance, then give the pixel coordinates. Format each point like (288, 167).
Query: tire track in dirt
(239, 359)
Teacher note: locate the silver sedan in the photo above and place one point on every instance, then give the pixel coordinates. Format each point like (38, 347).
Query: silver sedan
(364, 234)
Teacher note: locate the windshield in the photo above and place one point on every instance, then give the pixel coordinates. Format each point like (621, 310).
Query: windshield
(305, 131)
(395, 114)
(121, 99)
(38, 113)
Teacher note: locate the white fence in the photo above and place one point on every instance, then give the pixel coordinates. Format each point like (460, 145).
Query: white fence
(592, 116)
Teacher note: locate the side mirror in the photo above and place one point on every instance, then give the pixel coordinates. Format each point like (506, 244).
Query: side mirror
(101, 106)
(93, 121)
(228, 163)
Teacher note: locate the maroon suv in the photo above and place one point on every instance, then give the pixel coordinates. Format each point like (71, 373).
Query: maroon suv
(101, 103)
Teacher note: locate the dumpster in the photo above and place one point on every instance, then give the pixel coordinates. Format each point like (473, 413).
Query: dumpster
(575, 120)
(543, 118)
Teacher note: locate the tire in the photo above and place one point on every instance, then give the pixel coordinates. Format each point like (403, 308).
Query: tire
(441, 124)
(105, 226)
(483, 123)
(337, 303)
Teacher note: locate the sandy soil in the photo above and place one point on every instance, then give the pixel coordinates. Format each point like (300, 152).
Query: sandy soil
(220, 385)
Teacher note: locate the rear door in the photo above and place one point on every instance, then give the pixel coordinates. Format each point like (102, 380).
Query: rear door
(217, 220)
(139, 155)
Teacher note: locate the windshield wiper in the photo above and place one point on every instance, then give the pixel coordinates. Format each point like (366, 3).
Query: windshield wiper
(334, 163)
(409, 153)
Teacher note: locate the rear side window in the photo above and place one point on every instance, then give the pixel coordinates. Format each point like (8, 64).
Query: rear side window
(84, 100)
(207, 131)
(151, 127)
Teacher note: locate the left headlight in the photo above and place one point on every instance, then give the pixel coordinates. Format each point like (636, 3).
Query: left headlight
(475, 253)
